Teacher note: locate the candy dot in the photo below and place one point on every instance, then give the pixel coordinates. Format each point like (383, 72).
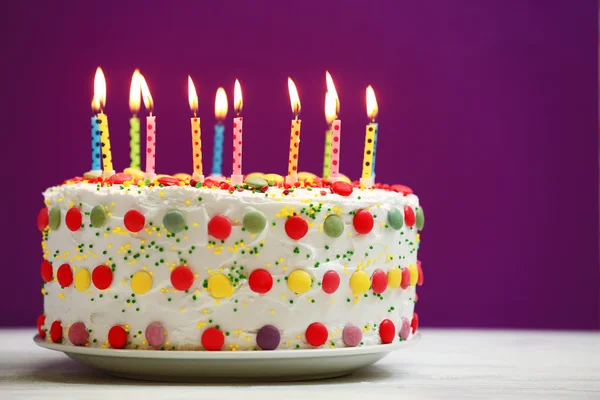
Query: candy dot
(260, 281)
(102, 277)
(141, 282)
(395, 219)
(212, 339)
(98, 216)
(342, 188)
(420, 219)
(268, 337)
(73, 219)
(331, 282)
(351, 335)
(387, 331)
(120, 177)
(420, 272)
(155, 334)
(56, 332)
(219, 286)
(299, 281)
(256, 182)
(174, 221)
(42, 219)
(64, 275)
(333, 226)
(360, 282)
(316, 334)
(409, 216)
(296, 227)
(117, 337)
(54, 218)
(405, 278)
(134, 221)
(78, 334)
(414, 274)
(182, 278)
(363, 222)
(219, 227)
(46, 271)
(254, 221)
(394, 277)
(379, 281)
(405, 328)
(41, 319)
(83, 278)
(414, 324)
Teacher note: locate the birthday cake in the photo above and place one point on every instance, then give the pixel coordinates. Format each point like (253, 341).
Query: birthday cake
(176, 265)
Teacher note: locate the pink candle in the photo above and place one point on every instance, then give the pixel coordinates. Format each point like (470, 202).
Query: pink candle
(332, 109)
(150, 130)
(236, 177)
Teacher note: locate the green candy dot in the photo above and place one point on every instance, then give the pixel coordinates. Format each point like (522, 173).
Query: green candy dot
(98, 216)
(174, 221)
(254, 221)
(395, 219)
(333, 226)
(420, 218)
(256, 182)
(54, 218)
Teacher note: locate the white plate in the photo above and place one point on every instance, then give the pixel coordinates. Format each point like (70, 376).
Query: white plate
(229, 366)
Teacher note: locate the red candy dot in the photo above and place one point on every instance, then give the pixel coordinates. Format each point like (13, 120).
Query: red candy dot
(409, 216)
(414, 324)
(212, 339)
(182, 278)
(120, 177)
(260, 281)
(102, 277)
(341, 188)
(168, 181)
(331, 282)
(296, 227)
(56, 332)
(405, 278)
(363, 222)
(64, 275)
(134, 221)
(379, 281)
(42, 219)
(316, 334)
(405, 190)
(219, 227)
(387, 331)
(46, 271)
(73, 219)
(40, 322)
(117, 337)
(420, 269)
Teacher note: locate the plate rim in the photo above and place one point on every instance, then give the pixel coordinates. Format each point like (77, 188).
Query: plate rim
(227, 355)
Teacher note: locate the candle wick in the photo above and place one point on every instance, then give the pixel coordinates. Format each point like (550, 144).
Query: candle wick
(194, 113)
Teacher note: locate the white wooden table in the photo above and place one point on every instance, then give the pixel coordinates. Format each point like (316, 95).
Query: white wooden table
(445, 364)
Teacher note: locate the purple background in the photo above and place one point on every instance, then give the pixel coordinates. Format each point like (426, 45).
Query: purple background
(487, 109)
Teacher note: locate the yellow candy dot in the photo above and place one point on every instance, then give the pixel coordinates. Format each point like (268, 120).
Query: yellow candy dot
(394, 278)
(273, 177)
(141, 282)
(220, 286)
(82, 279)
(414, 274)
(299, 281)
(360, 282)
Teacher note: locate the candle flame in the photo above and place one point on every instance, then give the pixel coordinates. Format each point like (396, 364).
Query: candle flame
(330, 114)
(192, 96)
(333, 92)
(135, 92)
(237, 97)
(99, 99)
(148, 103)
(372, 107)
(220, 104)
(294, 98)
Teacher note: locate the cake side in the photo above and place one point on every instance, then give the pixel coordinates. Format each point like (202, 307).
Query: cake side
(185, 268)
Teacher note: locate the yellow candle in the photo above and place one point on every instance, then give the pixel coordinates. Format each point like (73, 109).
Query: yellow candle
(196, 133)
(371, 130)
(98, 103)
(292, 176)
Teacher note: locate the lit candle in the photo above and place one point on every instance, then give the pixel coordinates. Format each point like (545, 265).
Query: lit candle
(99, 102)
(368, 170)
(220, 114)
(134, 121)
(196, 133)
(332, 107)
(327, 157)
(236, 177)
(150, 131)
(292, 176)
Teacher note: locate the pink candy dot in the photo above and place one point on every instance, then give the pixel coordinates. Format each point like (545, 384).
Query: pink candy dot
(155, 334)
(352, 335)
(78, 334)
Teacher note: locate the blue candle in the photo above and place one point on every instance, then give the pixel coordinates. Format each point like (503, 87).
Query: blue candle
(218, 150)
(96, 149)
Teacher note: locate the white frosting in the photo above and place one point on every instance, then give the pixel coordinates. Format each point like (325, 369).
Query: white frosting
(244, 312)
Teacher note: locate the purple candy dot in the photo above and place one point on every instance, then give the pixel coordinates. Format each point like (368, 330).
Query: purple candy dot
(155, 334)
(78, 334)
(405, 329)
(352, 335)
(268, 337)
